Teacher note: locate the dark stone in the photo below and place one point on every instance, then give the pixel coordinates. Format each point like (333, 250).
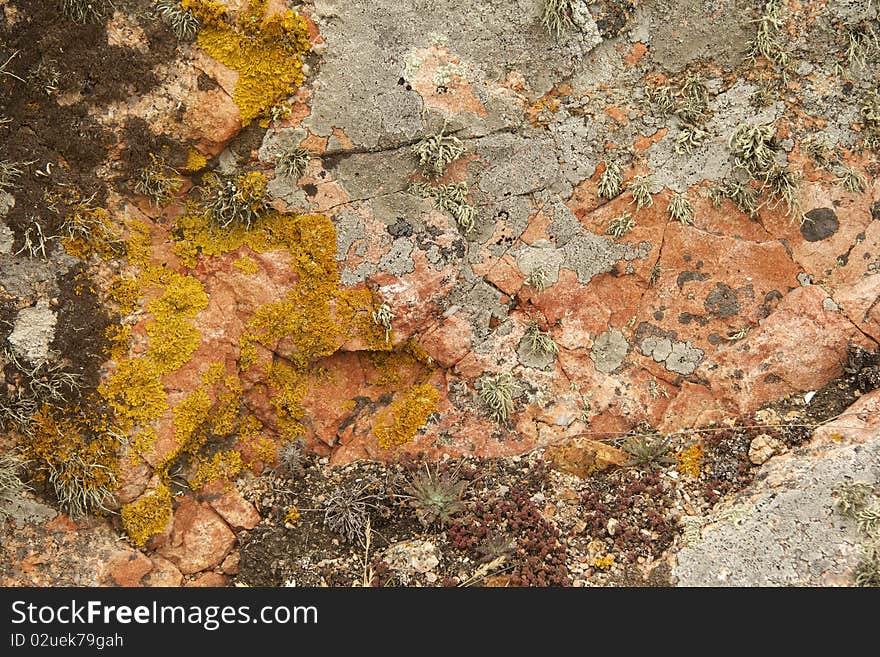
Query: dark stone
(686, 276)
(819, 224)
(400, 228)
(722, 301)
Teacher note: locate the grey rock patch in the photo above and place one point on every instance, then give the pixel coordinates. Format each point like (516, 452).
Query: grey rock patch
(783, 530)
(33, 332)
(609, 351)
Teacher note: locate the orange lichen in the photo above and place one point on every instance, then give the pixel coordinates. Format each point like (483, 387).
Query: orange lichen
(406, 415)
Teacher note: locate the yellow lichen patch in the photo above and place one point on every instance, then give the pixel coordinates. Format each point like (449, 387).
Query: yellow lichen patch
(172, 343)
(195, 161)
(125, 292)
(604, 562)
(142, 443)
(246, 265)
(183, 297)
(190, 417)
(137, 247)
(355, 309)
(89, 231)
(118, 339)
(265, 51)
(223, 465)
(147, 516)
(406, 415)
(135, 393)
(690, 460)
(265, 449)
(288, 392)
(292, 516)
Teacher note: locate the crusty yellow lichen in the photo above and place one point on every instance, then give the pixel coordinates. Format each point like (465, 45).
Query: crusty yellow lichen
(604, 562)
(690, 460)
(223, 465)
(184, 297)
(246, 265)
(266, 52)
(195, 161)
(118, 340)
(125, 292)
(288, 390)
(147, 516)
(406, 415)
(172, 343)
(190, 417)
(142, 442)
(88, 232)
(135, 392)
(292, 516)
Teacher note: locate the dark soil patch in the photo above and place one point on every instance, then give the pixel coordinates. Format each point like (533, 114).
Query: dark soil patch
(80, 334)
(60, 72)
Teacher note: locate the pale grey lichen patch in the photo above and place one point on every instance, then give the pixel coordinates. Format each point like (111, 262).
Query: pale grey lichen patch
(349, 229)
(478, 301)
(784, 530)
(398, 260)
(684, 358)
(657, 348)
(7, 202)
(376, 49)
(516, 165)
(540, 255)
(682, 31)
(679, 357)
(278, 142)
(32, 332)
(609, 350)
(589, 255)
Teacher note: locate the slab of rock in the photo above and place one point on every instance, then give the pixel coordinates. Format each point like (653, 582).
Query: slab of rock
(200, 539)
(582, 457)
(784, 530)
(236, 511)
